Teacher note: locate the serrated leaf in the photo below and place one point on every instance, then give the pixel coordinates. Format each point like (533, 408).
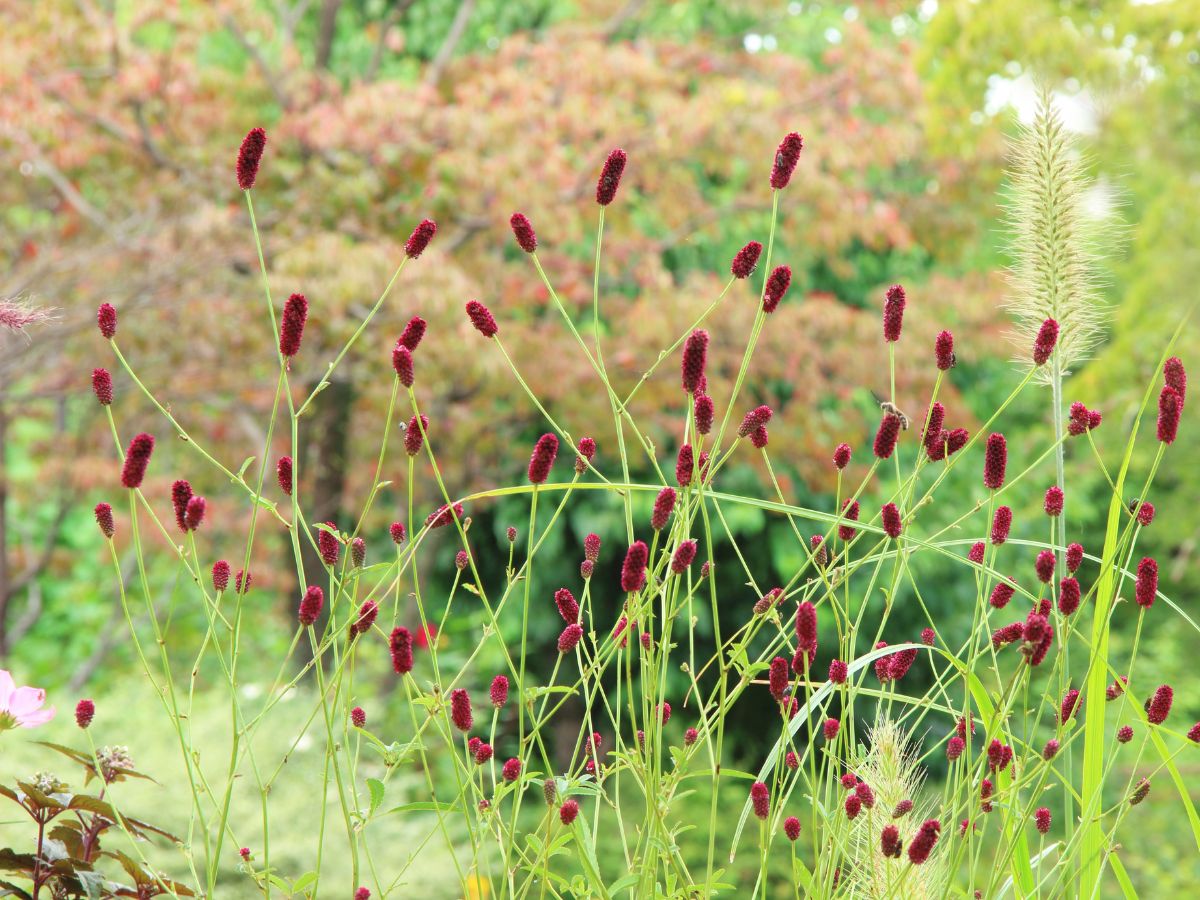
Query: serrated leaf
(376, 787)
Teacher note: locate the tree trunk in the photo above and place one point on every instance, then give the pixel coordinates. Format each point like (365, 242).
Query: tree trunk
(326, 31)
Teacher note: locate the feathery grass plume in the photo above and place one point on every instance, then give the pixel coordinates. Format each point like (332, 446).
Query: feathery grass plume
(1053, 240)
(889, 765)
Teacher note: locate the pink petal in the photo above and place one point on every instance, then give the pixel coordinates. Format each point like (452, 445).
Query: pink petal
(25, 700)
(34, 719)
(7, 686)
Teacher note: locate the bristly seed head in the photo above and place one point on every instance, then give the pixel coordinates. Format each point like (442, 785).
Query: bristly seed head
(522, 229)
(610, 177)
(420, 238)
(249, 157)
(746, 259)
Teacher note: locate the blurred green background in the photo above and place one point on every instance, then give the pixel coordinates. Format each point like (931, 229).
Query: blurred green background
(121, 124)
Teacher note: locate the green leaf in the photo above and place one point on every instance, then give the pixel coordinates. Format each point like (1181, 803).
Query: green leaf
(375, 786)
(424, 806)
(303, 882)
(244, 466)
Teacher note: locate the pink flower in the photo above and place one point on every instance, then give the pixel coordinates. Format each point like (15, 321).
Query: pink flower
(21, 707)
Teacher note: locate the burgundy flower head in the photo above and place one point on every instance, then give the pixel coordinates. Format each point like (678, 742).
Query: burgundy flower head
(482, 318)
(787, 155)
(610, 177)
(778, 283)
(1050, 750)
(291, 327)
(567, 605)
(853, 806)
(499, 691)
(460, 709)
(703, 412)
(760, 798)
(283, 471)
(1044, 566)
(903, 808)
(746, 259)
(1043, 344)
(1069, 596)
(1053, 503)
(633, 571)
(397, 532)
(414, 435)
(685, 555)
(413, 332)
(1170, 406)
(358, 717)
(1124, 734)
(819, 554)
(106, 319)
(928, 636)
(193, 517)
(850, 512)
(1193, 734)
(181, 493)
(1158, 707)
(511, 770)
(522, 230)
(1001, 524)
(806, 631)
(483, 753)
(591, 547)
(891, 520)
(975, 554)
(104, 518)
(242, 581)
(1117, 688)
(841, 456)
(838, 671)
(695, 355)
(1146, 586)
(137, 458)
(890, 844)
(831, 728)
(220, 575)
(568, 811)
(759, 437)
(569, 638)
(1041, 819)
(922, 845)
(1001, 594)
(1074, 557)
(690, 737)
(367, 615)
(420, 238)
(444, 515)
(102, 386)
(1175, 377)
(310, 605)
(933, 427)
(587, 451)
(684, 463)
(1008, 634)
(400, 646)
(329, 546)
(757, 417)
(402, 362)
(544, 453)
(954, 748)
(462, 559)
(249, 157)
(1067, 708)
(943, 350)
(893, 312)
(1140, 792)
(995, 461)
(887, 435)
(791, 828)
(1145, 513)
(85, 710)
